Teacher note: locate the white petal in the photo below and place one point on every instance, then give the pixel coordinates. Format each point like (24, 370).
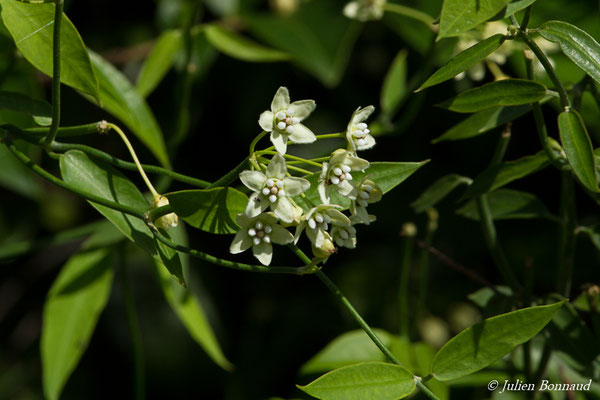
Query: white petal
(266, 121)
(302, 109)
(263, 252)
(254, 180)
(284, 209)
(302, 134)
(255, 206)
(279, 141)
(294, 186)
(280, 235)
(281, 101)
(361, 114)
(241, 242)
(368, 142)
(276, 168)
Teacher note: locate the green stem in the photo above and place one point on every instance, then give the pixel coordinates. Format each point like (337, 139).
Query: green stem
(58, 13)
(566, 248)
(331, 136)
(424, 263)
(526, 17)
(541, 370)
(221, 262)
(291, 157)
(68, 131)
(410, 13)
(58, 182)
(231, 176)
(134, 330)
(562, 92)
(403, 287)
(255, 142)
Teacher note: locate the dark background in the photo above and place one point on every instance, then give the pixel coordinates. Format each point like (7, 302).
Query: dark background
(270, 325)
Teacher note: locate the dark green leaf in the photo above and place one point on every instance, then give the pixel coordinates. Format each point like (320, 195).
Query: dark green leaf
(159, 61)
(370, 380)
(509, 204)
(189, 310)
(438, 190)
(578, 147)
(482, 122)
(120, 98)
(578, 45)
(487, 341)
(465, 60)
(394, 85)
(21, 103)
(502, 174)
(212, 210)
(347, 349)
(513, 7)
(317, 36)
(74, 303)
(506, 92)
(31, 26)
(103, 180)
(236, 46)
(459, 16)
(387, 175)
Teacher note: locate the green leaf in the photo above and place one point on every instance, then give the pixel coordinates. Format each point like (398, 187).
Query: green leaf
(509, 204)
(31, 26)
(459, 16)
(189, 310)
(513, 7)
(75, 301)
(464, 60)
(317, 36)
(237, 46)
(438, 190)
(212, 210)
(387, 175)
(15, 176)
(347, 349)
(103, 180)
(482, 122)
(578, 45)
(22, 103)
(506, 92)
(370, 380)
(578, 147)
(159, 61)
(502, 174)
(487, 341)
(120, 98)
(394, 85)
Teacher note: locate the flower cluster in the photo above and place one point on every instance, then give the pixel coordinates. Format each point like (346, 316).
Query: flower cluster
(341, 184)
(365, 10)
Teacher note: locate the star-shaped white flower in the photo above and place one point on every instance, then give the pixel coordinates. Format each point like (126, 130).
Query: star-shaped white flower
(337, 174)
(259, 232)
(357, 133)
(283, 121)
(364, 10)
(365, 193)
(317, 220)
(273, 189)
(344, 236)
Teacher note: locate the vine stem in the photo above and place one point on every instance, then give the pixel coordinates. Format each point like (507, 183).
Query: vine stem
(58, 14)
(365, 327)
(134, 330)
(567, 236)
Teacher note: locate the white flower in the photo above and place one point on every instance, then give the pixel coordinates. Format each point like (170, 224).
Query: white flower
(365, 193)
(316, 223)
(166, 221)
(283, 121)
(344, 236)
(358, 133)
(337, 174)
(273, 189)
(364, 10)
(259, 232)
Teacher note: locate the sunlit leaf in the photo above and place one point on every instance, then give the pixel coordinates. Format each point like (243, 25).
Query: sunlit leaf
(506, 92)
(159, 61)
(487, 341)
(459, 16)
(513, 7)
(31, 26)
(577, 44)
(119, 97)
(74, 303)
(578, 147)
(212, 210)
(24, 104)
(465, 60)
(438, 190)
(369, 380)
(394, 85)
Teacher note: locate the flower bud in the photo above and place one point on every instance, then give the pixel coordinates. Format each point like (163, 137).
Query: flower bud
(166, 221)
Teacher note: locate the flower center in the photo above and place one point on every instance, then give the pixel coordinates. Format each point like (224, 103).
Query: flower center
(342, 234)
(319, 221)
(273, 189)
(364, 194)
(339, 174)
(359, 133)
(285, 121)
(259, 232)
